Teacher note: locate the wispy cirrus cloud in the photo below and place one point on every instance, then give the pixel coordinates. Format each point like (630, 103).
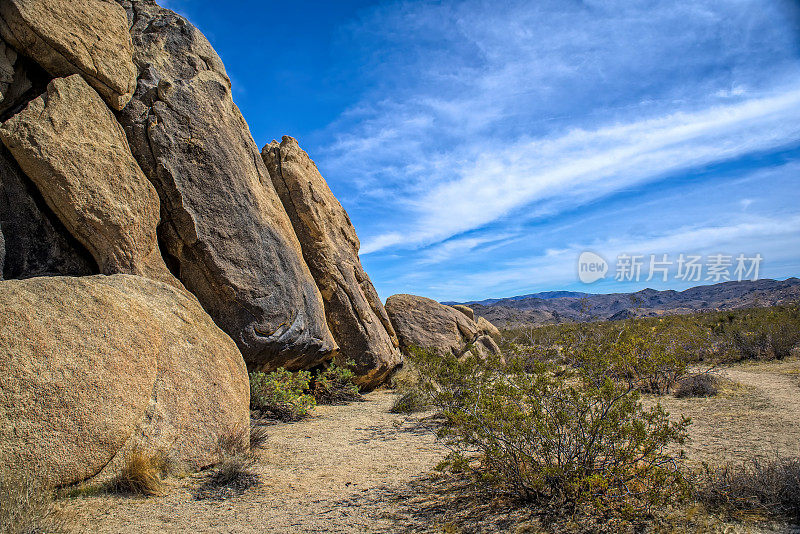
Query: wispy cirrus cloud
(583, 166)
(476, 118)
(774, 238)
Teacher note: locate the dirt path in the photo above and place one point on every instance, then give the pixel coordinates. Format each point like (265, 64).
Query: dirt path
(758, 414)
(312, 473)
(358, 468)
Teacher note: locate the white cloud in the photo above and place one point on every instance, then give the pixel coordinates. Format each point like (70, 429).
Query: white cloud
(476, 118)
(775, 239)
(585, 165)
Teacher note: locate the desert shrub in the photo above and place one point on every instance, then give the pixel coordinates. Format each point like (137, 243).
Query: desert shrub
(650, 355)
(712, 337)
(26, 503)
(697, 385)
(281, 394)
(405, 382)
(409, 402)
(140, 474)
(334, 384)
(234, 473)
(758, 333)
(552, 435)
(234, 443)
(761, 487)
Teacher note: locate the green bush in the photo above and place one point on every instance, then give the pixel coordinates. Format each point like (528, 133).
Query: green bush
(714, 337)
(281, 394)
(649, 355)
(760, 333)
(408, 403)
(551, 434)
(334, 384)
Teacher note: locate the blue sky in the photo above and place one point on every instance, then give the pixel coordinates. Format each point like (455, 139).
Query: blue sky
(480, 147)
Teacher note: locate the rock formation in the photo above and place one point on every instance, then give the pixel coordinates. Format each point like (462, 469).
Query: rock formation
(86, 37)
(223, 226)
(91, 366)
(36, 243)
(21, 80)
(8, 61)
(466, 310)
(146, 258)
(424, 323)
(2, 251)
(488, 328)
(69, 143)
(330, 245)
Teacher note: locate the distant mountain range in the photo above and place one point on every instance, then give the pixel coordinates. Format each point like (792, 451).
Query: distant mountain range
(542, 295)
(570, 306)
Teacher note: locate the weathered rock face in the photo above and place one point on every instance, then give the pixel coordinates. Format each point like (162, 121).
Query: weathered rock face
(8, 59)
(68, 142)
(353, 309)
(21, 80)
(427, 324)
(36, 243)
(488, 328)
(87, 37)
(222, 222)
(90, 366)
(2, 250)
(466, 310)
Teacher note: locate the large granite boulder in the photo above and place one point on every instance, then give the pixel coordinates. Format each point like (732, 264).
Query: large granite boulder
(36, 243)
(424, 323)
(69, 143)
(87, 37)
(466, 310)
(330, 245)
(488, 328)
(93, 366)
(223, 225)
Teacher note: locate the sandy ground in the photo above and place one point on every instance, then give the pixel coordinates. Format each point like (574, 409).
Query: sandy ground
(358, 468)
(756, 414)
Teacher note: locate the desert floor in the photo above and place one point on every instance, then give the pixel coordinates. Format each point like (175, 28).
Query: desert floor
(358, 468)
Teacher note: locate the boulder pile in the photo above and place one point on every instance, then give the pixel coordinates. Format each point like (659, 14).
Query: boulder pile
(150, 254)
(426, 324)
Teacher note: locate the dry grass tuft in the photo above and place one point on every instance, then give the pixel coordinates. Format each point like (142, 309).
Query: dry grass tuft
(234, 474)
(258, 437)
(754, 488)
(26, 503)
(141, 474)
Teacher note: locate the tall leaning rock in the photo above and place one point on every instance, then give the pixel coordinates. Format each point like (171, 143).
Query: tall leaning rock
(353, 309)
(69, 143)
(87, 37)
(223, 225)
